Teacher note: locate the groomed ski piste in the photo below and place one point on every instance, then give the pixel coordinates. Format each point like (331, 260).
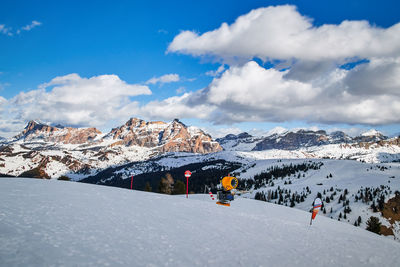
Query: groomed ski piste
(58, 223)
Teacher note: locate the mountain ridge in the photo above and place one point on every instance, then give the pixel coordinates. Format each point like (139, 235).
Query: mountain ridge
(42, 150)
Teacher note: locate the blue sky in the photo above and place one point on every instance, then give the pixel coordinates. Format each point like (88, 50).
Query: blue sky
(42, 40)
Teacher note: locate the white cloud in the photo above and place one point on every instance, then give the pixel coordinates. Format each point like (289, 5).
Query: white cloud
(3, 102)
(162, 31)
(351, 131)
(5, 30)
(380, 76)
(33, 24)
(8, 30)
(181, 90)
(253, 93)
(3, 85)
(176, 107)
(214, 73)
(281, 32)
(313, 87)
(73, 100)
(218, 132)
(167, 78)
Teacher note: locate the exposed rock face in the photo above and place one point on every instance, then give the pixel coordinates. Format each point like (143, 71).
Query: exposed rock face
(167, 137)
(138, 132)
(389, 142)
(243, 137)
(232, 141)
(65, 135)
(301, 138)
(370, 137)
(305, 138)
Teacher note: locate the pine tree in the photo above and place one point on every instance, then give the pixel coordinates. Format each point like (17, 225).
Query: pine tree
(359, 220)
(374, 225)
(147, 187)
(381, 202)
(179, 188)
(166, 184)
(373, 207)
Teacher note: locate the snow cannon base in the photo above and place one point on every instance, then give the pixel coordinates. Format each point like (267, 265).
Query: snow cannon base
(224, 198)
(224, 203)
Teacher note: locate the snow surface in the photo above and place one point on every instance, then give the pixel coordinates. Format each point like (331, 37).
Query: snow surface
(371, 132)
(53, 223)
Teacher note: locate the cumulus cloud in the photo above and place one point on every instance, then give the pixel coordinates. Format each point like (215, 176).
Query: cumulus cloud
(281, 32)
(73, 100)
(253, 93)
(306, 80)
(3, 102)
(380, 76)
(167, 78)
(176, 107)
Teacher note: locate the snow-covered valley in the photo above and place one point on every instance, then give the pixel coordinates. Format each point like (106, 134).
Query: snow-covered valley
(48, 222)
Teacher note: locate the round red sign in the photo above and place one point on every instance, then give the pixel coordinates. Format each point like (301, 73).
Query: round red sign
(188, 174)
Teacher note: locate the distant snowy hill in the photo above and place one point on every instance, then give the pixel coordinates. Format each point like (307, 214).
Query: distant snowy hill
(54, 223)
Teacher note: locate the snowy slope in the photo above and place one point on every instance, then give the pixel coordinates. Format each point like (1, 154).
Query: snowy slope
(346, 174)
(45, 223)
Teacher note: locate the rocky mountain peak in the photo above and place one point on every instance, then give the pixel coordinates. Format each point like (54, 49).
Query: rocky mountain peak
(167, 137)
(67, 135)
(36, 128)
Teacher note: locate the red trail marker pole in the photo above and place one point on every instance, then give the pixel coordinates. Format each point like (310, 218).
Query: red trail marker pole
(131, 182)
(187, 175)
(187, 186)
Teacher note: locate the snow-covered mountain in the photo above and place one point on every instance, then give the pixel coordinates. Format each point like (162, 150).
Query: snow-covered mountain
(167, 137)
(240, 142)
(47, 151)
(54, 223)
(36, 131)
(283, 139)
(42, 150)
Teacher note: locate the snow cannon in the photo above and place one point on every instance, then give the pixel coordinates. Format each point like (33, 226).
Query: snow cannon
(225, 196)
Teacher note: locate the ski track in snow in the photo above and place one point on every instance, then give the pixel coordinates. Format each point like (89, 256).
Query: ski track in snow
(54, 223)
